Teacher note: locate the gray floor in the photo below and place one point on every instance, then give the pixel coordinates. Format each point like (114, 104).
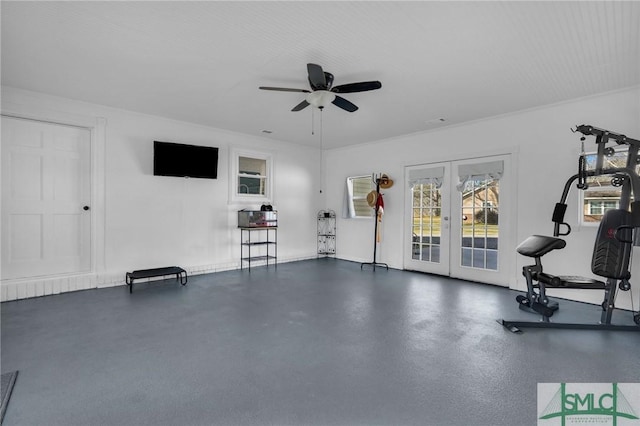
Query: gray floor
(309, 343)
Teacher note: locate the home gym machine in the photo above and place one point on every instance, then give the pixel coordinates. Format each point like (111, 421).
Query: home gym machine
(613, 246)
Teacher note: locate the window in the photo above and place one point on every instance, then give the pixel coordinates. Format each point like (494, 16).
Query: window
(356, 205)
(251, 177)
(601, 195)
(598, 207)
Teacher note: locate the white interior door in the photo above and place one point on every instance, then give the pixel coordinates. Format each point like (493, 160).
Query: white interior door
(458, 219)
(46, 190)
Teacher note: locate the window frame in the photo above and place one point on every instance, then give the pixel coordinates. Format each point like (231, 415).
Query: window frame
(235, 175)
(350, 199)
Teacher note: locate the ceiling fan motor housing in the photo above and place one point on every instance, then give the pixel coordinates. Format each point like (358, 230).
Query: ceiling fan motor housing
(328, 78)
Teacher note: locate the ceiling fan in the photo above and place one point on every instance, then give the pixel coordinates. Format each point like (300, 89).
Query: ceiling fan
(322, 93)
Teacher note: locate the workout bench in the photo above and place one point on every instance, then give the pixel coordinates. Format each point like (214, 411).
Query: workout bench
(180, 274)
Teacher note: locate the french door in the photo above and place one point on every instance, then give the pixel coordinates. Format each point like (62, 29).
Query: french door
(46, 190)
(458, 219)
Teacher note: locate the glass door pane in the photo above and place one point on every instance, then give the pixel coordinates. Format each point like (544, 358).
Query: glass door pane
(479, 226)
(426, 222)
(427, 227)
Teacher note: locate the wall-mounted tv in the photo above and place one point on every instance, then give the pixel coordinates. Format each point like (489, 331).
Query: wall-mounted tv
(175, 159)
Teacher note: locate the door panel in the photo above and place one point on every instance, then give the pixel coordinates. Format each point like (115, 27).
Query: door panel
(429, 220)
(45, 185)
(480, 218)
(457, 225)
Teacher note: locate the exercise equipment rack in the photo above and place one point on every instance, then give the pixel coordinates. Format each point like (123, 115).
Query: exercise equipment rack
(613, 246)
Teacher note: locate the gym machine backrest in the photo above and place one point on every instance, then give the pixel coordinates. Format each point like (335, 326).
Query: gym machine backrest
(613, 245)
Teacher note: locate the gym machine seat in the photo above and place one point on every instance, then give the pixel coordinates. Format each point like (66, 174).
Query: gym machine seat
(537, 246)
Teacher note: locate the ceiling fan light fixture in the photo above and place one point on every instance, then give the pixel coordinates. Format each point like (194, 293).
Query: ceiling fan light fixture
(320, 98)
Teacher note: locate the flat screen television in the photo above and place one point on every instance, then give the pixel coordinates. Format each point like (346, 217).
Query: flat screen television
(181, 160)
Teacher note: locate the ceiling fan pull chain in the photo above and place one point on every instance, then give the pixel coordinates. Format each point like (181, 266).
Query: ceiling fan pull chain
(321, 151)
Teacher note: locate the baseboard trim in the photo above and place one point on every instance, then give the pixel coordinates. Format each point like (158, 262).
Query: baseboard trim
(27, 288)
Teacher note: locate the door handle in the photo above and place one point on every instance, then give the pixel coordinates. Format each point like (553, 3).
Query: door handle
(85, 208)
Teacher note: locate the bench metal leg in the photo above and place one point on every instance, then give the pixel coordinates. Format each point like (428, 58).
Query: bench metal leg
(129, 282)
(182, 277)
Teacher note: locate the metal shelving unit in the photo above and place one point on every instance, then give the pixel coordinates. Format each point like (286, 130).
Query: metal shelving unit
(266, 242)
(326, 233)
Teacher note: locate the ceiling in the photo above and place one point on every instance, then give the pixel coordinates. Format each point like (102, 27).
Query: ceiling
(203, 61)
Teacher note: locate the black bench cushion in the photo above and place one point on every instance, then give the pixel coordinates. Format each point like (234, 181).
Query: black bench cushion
(157, 272)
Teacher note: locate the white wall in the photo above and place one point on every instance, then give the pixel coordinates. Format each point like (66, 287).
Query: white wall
(149, 221)
(545, 156)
